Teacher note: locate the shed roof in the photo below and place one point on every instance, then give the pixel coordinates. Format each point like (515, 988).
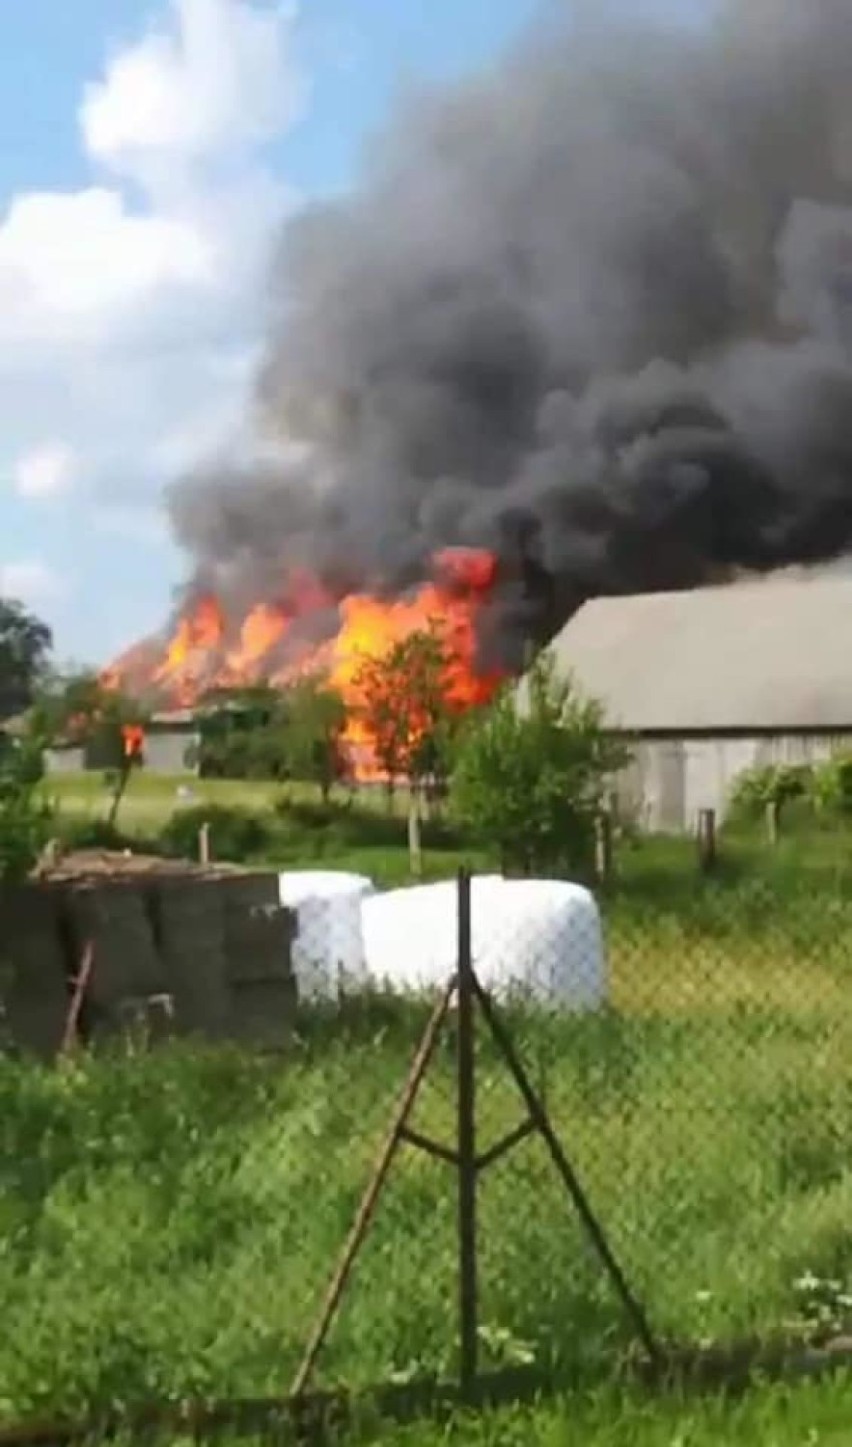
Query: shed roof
(178, 719)
(773, 654)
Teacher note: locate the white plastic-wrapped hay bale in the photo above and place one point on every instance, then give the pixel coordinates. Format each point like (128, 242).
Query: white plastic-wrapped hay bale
(328, 950)
(540, 939)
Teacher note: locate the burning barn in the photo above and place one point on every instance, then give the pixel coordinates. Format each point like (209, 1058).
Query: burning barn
(213, 651)
(710, 683)
(600, 293)
(583, 330)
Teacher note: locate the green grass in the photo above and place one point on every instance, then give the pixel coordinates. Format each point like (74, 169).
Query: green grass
(150, 798)
(811, 1416)
(168, 1222)
(360, 834)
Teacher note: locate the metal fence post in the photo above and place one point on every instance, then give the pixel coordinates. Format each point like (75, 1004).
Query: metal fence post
(467, 1164)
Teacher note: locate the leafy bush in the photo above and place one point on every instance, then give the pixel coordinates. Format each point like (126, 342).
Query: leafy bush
(832, 785)
(235, 834)
(25, 820)
(346, 824)
(777, 784)
(530, 777)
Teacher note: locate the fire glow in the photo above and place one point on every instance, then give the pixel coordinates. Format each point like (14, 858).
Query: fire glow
(133, 740)
(275, 643)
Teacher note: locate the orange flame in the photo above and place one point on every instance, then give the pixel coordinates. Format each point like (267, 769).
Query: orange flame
(133, 739)
(198, 636)
(371, 627)
(268, 647)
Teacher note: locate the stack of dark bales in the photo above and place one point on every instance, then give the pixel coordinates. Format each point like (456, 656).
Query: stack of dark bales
(175, 949)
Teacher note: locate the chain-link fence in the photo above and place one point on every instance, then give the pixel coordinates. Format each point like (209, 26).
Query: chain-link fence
(616, 1139)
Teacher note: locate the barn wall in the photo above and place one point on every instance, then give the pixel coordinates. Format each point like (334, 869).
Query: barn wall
(669, 781)
(168, 752)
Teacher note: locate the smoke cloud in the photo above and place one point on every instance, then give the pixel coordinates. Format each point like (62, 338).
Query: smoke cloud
(592, 309)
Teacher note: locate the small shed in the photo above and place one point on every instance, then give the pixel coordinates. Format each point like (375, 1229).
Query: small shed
(172, 743)
(64, 758)
(710, 683)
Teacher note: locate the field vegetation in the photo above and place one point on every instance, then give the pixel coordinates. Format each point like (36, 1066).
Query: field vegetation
(168, 1220)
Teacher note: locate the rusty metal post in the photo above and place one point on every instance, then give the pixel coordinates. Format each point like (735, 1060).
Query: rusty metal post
(370, 1199)
(466, 1142)
(71, 1034)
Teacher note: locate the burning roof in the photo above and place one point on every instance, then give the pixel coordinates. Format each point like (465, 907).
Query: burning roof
(274, 643)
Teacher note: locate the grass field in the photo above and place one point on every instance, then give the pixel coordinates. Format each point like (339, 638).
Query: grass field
(360, 835)
(151, 797)
(168, 1222)
(776, 1416)
(772, 1417)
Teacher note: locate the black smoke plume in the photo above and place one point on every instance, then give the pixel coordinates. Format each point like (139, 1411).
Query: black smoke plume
(592, 309)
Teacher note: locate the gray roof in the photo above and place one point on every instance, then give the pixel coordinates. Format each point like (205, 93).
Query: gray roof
(772, 654)
(176, 718)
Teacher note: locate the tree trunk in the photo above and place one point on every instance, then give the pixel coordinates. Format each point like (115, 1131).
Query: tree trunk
(415, 851)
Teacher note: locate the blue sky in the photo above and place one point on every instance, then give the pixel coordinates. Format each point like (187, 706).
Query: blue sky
(151, 148)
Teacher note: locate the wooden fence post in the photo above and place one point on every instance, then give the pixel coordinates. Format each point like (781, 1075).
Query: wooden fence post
(603, 847)
(707, 846)
(415, 850)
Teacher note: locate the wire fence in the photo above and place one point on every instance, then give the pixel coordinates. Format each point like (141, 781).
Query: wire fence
(566, 1151)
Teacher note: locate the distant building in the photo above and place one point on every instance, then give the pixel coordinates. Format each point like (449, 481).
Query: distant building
(171, 746)
(172, 743)
(63, 758)
(713, 682)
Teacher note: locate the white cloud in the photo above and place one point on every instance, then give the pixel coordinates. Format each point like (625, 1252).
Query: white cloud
(218, 81)
(128, 307)
(69, 260)
(31, 582)
(47, 471)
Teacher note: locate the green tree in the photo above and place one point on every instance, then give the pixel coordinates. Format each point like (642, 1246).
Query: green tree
(315, 721)
(532, 771)
(244, 734)
(832, 785)
(25, 643)
(79, 709)
(771, 786)
(25, 819)
(403, 707)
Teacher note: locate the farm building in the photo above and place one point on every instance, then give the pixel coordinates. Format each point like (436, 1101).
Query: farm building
(64, 758)
(172, 742)
(171, 747)
(712, 682)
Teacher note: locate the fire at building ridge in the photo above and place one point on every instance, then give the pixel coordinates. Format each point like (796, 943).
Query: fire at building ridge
(208, 652)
